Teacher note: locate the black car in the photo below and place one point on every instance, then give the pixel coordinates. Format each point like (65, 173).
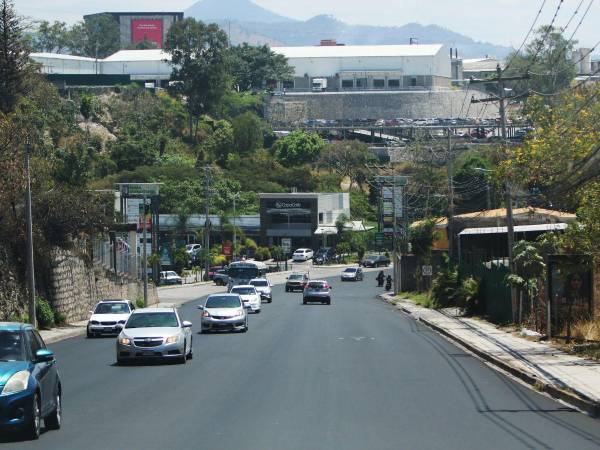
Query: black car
(376, 261)
(323, 255)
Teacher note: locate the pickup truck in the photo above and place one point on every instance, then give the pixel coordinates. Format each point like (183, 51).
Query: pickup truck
(220, 277)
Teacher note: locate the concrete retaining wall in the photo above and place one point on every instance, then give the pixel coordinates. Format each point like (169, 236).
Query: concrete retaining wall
(293, 107)
(77, 285)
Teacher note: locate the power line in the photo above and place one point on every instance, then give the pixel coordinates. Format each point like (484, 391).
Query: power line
(527, 35)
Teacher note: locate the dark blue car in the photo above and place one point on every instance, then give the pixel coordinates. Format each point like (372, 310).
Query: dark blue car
(30, 388)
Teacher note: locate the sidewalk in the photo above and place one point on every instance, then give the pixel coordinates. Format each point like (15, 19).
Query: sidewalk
(570, 378)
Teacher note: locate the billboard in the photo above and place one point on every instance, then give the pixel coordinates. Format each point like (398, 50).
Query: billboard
(147, 29)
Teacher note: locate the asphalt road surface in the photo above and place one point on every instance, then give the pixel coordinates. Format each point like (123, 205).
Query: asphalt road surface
(353, 375)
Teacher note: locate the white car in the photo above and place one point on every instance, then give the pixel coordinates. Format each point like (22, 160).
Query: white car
(302, 254)
(249, 295)
(264, 288)
(108, 317)
(170, 277)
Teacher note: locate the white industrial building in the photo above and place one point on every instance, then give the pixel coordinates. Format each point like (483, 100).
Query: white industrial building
(366, 67)
(122, 67)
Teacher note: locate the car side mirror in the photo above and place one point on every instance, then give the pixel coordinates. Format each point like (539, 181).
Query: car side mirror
(200, 307)
(187, 324)
(91, 312)
(119, 326)
(44, 355)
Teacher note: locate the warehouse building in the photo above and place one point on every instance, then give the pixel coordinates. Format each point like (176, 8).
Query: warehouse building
(367, 67)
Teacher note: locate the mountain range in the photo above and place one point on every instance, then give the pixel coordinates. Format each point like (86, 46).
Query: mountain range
(246, 21)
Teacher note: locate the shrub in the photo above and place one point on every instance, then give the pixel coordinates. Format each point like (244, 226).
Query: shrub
(44, 313)
(468, 295)
(139, 302)
(277, 253)
(219, 260)
(60, 318)
(262, 254)
(445, 286)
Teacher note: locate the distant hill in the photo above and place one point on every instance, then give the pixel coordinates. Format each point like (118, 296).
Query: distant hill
(233, 10)
(248, 22)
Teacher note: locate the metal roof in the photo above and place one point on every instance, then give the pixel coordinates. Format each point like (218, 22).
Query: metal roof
(517, 229)
(154, 54)
(60, 56)
(356, 51)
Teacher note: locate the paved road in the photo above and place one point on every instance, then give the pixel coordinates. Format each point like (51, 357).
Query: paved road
(353, 375)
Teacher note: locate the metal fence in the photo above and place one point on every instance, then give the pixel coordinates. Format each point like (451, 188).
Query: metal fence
(117, 257)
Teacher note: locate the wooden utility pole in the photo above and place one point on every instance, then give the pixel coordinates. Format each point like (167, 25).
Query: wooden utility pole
(207, 194)
(501, 99)
(451, 193)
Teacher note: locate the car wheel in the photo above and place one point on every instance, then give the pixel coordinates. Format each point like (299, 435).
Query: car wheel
(54, 420)
(304, 302)
(245, 329)
(203, 331)
(190, 354)
(183, 359)
(270, 300)
(328, 302)
(34, 426)
(286, 289)
(89, 334)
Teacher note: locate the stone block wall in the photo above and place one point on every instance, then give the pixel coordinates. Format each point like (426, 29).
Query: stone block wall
(77, 285)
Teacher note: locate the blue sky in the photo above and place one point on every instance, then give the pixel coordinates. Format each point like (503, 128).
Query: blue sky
(499, 21)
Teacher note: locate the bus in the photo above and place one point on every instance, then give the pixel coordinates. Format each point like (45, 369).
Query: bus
(241, 272)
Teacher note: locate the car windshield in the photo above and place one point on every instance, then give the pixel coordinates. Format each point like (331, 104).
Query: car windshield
(244, 290)
(317, 286)
(112, 308)
(152, 320)
(296, 277)
(223, 301)
(350, 270)
(259, 283)
(11, 346)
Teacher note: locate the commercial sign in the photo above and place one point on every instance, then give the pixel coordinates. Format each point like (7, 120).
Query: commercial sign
(227, 249)
(145, 214)
(147, 29)
(392, 207)
(288, 205)
(286, 245)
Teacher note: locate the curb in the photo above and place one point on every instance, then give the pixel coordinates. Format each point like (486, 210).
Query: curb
(580, 401)
(66, 335)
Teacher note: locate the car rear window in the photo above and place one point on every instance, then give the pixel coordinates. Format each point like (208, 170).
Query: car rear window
(317, 286)
(243, 290)
(259, 283)
(296, 277)
(350, 270)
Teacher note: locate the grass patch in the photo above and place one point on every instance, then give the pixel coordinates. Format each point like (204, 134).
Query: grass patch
(587, 351)
(420, 298)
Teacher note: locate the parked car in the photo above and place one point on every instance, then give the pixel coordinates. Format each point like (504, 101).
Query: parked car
(170, 277)
(221, 278)
(249, 295)
(323, 255)
(31, 388)
(376, 261)
(296, 282)
(317, 291)
(302, 254)
(107, 316)
(193, 249)
(264, 288)
(155, 333)
(223, 312)
(352, 274)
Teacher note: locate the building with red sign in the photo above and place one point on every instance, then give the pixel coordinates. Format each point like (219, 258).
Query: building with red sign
(135, 27)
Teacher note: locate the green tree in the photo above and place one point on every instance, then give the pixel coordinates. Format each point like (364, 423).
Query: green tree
(348, 159)
(200, 66)
(247, 132)
(257, 67)
(299, 147)
(51, 37)
(15, 66)
(546, 58)
(130, 153)
(97, 37)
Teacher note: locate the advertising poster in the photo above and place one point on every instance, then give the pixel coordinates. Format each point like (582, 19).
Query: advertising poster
(147, 29)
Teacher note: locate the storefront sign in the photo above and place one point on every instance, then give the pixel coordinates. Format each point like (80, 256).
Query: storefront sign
(288, 205)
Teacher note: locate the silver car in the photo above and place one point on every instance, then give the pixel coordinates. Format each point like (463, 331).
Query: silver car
(223, 312)
(317, 291)
(155, 333)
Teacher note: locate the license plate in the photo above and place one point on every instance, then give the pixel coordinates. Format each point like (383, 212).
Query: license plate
(108, 328)
(147, 353)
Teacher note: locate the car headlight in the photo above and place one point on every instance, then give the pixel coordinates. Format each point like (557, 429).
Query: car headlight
(122, 322)
(124, 341)
(16, 383)
(172, 339)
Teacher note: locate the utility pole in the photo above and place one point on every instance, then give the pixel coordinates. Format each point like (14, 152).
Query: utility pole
(235, 196)
(144, 252)
(207, 194)
(30, 263)
(501, 99)
(451, 192)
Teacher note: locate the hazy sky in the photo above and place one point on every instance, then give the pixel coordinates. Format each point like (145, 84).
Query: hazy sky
(497, 21)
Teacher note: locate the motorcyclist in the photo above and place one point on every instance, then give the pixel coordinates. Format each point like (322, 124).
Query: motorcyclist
(388, 283)
(380, 279)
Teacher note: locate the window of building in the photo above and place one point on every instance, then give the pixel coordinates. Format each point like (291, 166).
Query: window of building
(320, 217)
(379, 84)
(394, 83)
(413, 81)
(361, 83)
(288, 84)
(347, 84)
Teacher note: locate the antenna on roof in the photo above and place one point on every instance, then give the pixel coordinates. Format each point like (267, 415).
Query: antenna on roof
(414, 41)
